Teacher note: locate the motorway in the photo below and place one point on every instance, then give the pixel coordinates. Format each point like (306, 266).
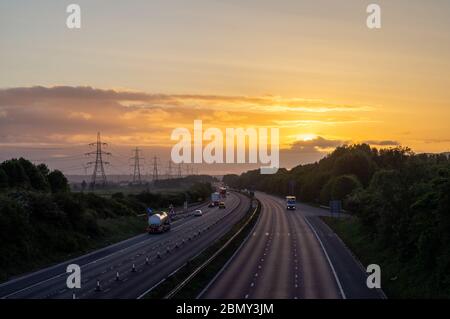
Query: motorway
(290, 255)
(154, 257)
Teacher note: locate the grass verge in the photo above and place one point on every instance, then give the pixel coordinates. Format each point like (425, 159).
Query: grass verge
(113, 230)
(399, 280)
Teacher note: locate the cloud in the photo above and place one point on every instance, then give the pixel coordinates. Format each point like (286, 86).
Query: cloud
(307, 151)
(325, 121)
(133, 99)
(66, 116)
(316, 143)
(382, 142)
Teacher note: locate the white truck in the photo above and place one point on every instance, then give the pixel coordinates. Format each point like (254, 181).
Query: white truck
(291, 203)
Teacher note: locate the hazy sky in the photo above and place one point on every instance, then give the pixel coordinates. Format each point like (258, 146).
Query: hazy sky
(311, 68)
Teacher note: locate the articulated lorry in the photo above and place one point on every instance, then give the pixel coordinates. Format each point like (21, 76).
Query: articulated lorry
(158, 223)
(215, 199)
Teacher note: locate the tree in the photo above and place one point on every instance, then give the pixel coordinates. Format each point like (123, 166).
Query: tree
(3, 179)
(17, 176)
(83, 185)
(58, 182)
(43, 169)
(343, 186)
(37, 180)
(356, 163)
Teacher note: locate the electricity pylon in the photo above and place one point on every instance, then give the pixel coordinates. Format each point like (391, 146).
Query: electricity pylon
(98, 174)
(155, 168)
(137, 167)
(179, 170)
(169, 170)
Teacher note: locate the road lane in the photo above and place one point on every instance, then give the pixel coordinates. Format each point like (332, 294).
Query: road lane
(197, 233)
(265, 265)
(351, 272)
(283, 258)
(276, 278)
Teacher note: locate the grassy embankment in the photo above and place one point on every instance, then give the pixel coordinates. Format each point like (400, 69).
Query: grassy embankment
(399, 280)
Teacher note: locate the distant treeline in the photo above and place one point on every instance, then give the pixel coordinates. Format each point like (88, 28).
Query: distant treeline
(42, 221)
(402, 200)
(182, 182)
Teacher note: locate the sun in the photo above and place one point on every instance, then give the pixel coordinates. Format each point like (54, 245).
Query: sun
(306, 137)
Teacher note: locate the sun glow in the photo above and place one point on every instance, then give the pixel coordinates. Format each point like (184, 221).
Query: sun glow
(306, 137)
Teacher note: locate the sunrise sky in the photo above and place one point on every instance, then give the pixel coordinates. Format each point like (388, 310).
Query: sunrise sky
(138, 69)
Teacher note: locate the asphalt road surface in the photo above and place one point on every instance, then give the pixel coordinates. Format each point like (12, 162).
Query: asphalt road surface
(290, 255)
(165, 252)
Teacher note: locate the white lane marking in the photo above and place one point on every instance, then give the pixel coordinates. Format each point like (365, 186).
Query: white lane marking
(328, 259)
(153, 287)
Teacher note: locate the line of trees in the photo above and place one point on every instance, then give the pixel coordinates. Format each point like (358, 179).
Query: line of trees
(401, 199)
(41, 220)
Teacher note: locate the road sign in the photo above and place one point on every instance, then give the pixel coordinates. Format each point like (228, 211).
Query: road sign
(335, 207)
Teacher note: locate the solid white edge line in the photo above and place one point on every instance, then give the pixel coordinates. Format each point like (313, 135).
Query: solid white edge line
(356, 260)
(150, 289)
(328, 258)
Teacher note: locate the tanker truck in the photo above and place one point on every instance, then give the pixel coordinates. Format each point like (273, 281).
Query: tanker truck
(158, 223)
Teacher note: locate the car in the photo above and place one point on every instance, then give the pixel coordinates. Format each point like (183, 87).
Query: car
(221, 205)
(198, 212)
(211, 205)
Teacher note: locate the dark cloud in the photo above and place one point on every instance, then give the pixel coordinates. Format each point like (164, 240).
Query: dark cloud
(317, 143)
(309, 151)
(14, 96)
(382, 142)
